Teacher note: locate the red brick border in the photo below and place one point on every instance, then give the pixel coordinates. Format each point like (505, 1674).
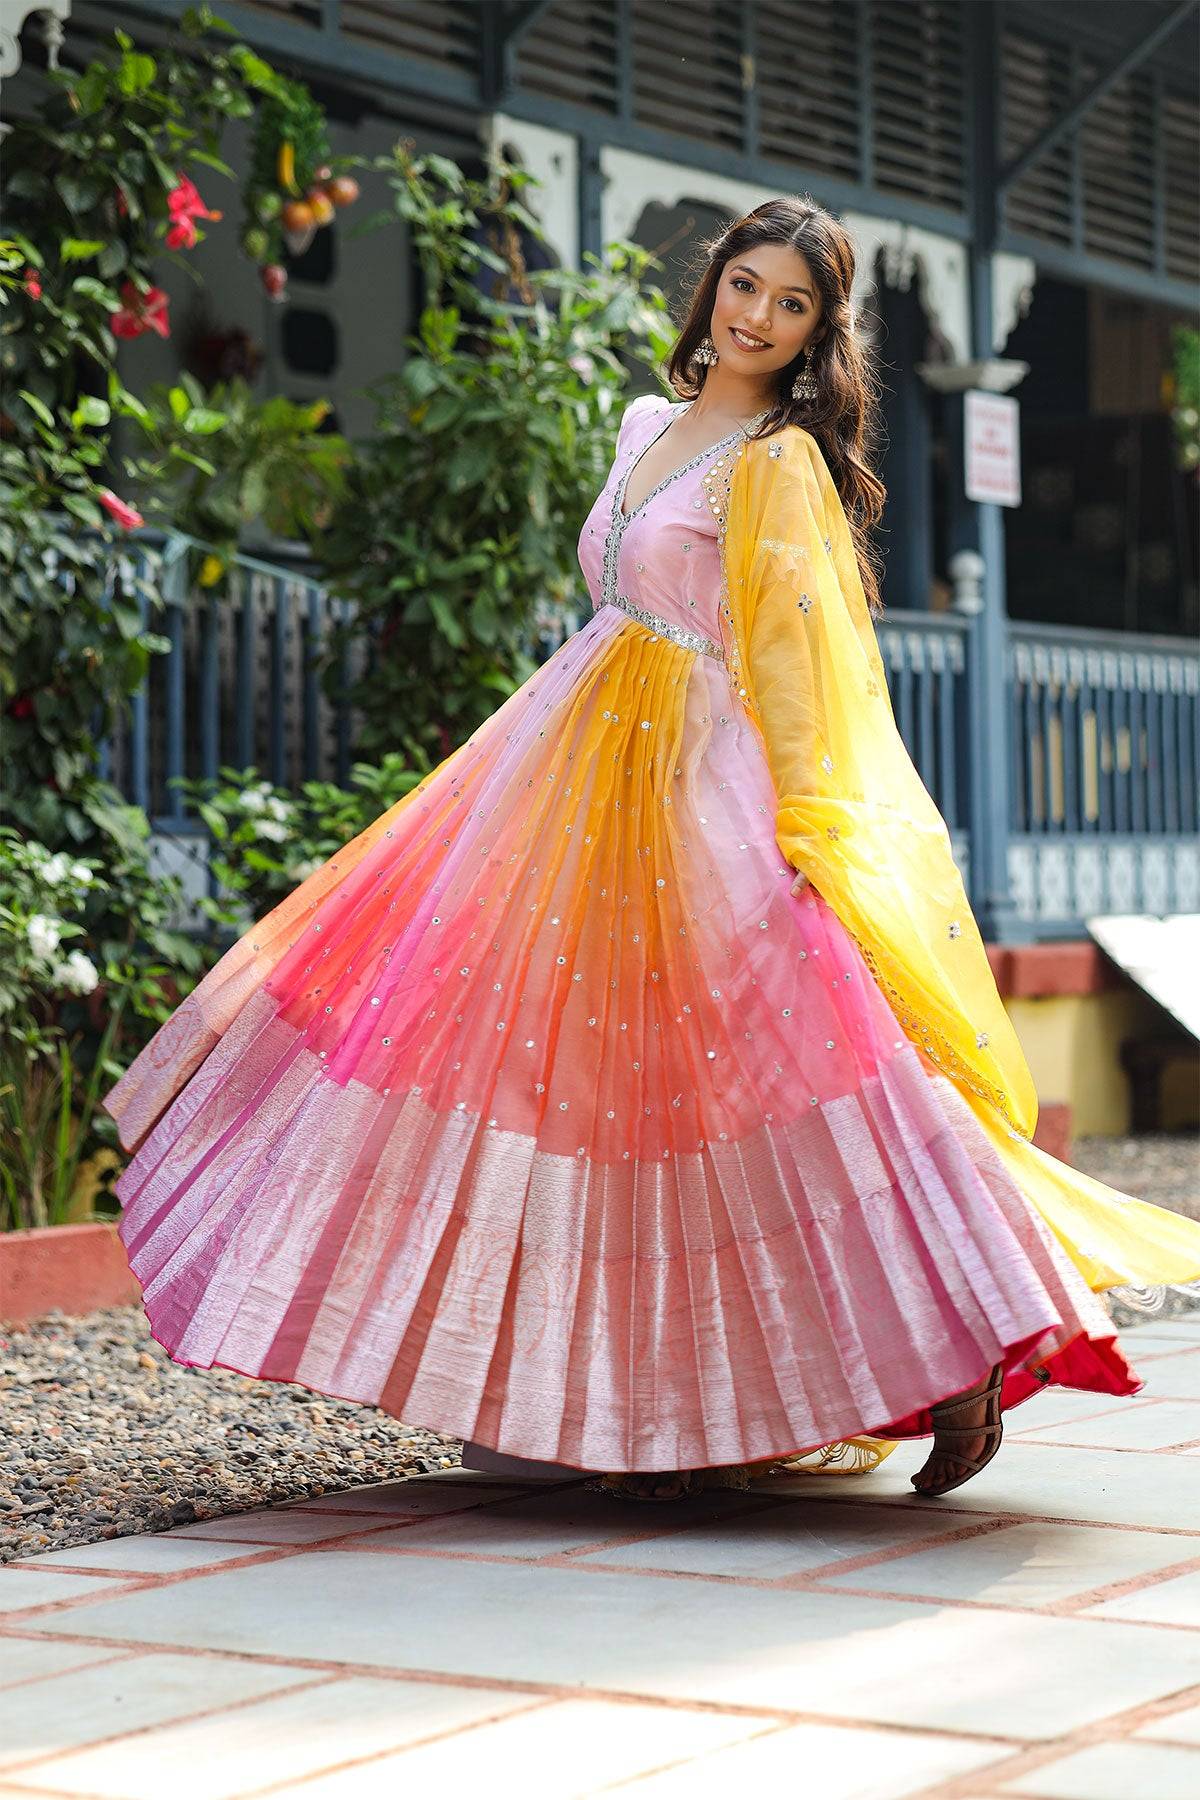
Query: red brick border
(1041, 971)
(71, 1268)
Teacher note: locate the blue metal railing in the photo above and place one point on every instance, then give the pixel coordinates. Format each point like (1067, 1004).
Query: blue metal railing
(1105, 732)
(1103, 737)
(1104, 762)
(924, 656)
(241, 684)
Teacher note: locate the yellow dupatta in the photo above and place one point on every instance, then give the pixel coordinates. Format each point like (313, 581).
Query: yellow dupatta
(854, 816)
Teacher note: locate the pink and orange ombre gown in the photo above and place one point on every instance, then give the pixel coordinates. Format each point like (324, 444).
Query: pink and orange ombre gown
(545, 1115)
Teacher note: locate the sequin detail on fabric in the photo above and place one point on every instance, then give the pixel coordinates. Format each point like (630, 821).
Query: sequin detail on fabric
(678, 634)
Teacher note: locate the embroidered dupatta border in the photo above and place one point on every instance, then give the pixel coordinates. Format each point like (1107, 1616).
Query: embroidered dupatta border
(919, 1028)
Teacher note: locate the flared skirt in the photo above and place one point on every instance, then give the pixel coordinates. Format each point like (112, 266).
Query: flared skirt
(545, 1115)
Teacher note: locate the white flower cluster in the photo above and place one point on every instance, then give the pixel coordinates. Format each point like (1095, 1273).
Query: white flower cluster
(54, 884)
(272, 815)
(76, 973)
(58, 869)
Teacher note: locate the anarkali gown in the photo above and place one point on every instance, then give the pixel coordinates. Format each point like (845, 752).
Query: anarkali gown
(545, 1115)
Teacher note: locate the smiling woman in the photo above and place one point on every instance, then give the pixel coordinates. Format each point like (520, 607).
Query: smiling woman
(635, 1095)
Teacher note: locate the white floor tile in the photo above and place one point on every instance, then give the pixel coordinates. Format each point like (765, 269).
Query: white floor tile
(778, 1541)
(282, 1739)
(1183, 1329)
(1025, 1565)
(538, 1524)
(829, 1761)
(1055, 1405)
(1125, 1771)
(1174, 1602)
(1139, 1425)
(37, 1587)
(557, 1752)
(39, 1659)
(163, 1553)
(1178, 1727)
(1101, 1487)
(52, 1716)
(423, 1494)
(272, 1525)
(846, 1655)
(1174, 1377)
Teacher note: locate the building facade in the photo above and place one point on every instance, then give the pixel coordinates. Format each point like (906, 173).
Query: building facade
(1022, 179)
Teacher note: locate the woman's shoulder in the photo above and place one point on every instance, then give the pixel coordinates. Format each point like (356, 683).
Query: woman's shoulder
(642, 406)
(790, 446)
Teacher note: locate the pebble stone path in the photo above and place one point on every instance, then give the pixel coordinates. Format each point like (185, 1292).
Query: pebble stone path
(102, 1435)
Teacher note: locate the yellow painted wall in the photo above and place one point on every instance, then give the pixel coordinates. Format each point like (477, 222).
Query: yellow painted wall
(1072, 1043)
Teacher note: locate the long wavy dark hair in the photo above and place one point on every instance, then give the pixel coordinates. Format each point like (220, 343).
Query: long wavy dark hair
(844, 417)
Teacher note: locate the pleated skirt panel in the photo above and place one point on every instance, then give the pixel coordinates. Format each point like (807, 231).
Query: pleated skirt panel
(546, 1116)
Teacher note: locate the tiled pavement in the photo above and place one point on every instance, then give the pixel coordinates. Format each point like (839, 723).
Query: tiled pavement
(1035, 1634)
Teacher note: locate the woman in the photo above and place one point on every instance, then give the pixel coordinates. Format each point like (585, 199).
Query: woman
(634, 1095)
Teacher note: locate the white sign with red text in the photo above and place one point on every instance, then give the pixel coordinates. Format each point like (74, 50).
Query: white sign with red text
(992, 438)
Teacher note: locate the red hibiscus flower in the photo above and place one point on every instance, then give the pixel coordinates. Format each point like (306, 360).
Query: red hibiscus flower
(125, 515)
(141, 312)
(185, 207)
(33, 286)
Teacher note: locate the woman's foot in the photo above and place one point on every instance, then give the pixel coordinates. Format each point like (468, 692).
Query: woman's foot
(966, 1435)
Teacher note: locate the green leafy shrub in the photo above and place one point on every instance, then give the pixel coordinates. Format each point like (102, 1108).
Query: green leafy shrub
(1186, 406)
(268, 839)
(462, 516)
(266, 465)
(88, 965)
(100, 189)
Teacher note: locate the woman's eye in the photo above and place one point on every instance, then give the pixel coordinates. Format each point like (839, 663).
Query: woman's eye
(740, 281)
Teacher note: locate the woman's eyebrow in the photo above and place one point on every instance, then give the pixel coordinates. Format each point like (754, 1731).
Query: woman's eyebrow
(758, 277)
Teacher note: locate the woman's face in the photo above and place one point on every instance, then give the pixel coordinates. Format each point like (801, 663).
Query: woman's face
(768, 293)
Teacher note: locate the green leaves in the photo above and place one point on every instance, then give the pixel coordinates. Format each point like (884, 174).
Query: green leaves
(266, 465)
(84, 508)
(135, 73)
(91, 410)
(38, 407)
(79, 193)
(462, 519)
(79, 249)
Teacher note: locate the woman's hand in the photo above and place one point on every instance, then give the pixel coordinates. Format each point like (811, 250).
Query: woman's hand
(800, 883)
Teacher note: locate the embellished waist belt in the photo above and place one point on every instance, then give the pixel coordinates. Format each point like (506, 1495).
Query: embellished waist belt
(677, 634)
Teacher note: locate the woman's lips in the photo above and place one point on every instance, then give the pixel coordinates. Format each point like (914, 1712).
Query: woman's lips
(747, 343)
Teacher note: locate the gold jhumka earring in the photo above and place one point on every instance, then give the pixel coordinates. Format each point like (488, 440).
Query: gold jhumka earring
(805, 385)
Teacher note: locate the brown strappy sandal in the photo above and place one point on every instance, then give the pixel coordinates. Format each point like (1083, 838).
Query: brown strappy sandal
(990, 1428)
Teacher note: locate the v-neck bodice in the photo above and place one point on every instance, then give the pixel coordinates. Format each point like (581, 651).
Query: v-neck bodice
(664, 421)
(661, 561)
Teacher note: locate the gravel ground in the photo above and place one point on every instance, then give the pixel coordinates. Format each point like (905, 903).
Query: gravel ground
(1163, 1167)
(103, 1436)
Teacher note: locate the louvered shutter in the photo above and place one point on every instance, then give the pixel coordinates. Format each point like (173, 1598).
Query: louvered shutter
(446, 34)
(1036, 90)
(687, 68)
(570, 54)
(808, 76)
(917, 90)
(1179, 123)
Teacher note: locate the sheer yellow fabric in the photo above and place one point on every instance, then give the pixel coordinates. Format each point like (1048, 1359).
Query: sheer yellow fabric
(854, 816)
